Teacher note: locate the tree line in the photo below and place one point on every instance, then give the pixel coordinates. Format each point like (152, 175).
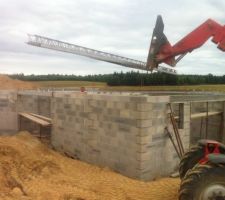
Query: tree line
(129, 78)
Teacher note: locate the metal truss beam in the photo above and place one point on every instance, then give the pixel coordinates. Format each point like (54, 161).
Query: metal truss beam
(57, 45)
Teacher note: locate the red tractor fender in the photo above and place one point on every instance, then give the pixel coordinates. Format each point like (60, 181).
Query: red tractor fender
(213, 151)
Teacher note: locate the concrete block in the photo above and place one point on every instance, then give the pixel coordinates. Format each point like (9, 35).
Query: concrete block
(140, 99)
(144, 139)
(141, 115)
(158, 99)
(144, 131)
(144, 107)
(144, 123)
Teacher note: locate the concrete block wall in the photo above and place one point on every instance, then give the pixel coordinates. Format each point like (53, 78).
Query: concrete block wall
(185, 132)
(198, 104)
(215, 122)
(33, 102)
(97, 129)
(198, 129)
(197, 107)
(8, 113)
(123, 132)
(38, 103)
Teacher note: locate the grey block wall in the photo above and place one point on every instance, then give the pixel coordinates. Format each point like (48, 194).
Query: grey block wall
(8, 113)
(33, 102)
(125, 133)
(213, 130)
(38, 103)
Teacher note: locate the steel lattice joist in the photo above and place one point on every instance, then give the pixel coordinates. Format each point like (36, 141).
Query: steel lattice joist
(48, 43)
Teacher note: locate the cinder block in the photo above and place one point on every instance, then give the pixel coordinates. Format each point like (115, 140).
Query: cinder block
(141, 115)
(144, 139)
(140, 99)
(158, 99)
(144, 107)
(144, 123)
(124, 113)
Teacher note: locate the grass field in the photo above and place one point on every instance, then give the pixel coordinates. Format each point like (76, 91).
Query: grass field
(70, 84)
(103, 86)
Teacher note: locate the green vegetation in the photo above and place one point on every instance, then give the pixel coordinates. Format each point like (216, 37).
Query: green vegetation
(70, 84)
(130, 79)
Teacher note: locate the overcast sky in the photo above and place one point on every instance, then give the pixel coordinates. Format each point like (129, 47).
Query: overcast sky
(122, 27)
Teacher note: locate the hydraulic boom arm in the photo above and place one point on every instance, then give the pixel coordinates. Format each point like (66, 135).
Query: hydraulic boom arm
(162, 51)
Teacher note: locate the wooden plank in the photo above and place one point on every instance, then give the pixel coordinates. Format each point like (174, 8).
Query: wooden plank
(204, 114)
(42, 117)
(35, 119)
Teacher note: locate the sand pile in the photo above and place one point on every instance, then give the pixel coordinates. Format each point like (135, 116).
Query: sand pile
(30, 170)
(7, 83)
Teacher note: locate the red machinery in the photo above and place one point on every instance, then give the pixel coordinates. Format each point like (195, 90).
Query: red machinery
(202, 168)
(161, 51)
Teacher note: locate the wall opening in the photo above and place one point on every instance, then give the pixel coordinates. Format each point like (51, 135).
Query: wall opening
(178, 110)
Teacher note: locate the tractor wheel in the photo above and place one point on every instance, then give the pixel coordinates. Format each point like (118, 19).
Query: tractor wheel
(190, 159)
(204, 182)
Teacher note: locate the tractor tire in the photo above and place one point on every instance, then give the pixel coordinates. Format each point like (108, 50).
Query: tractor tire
(204, 182)
(190, 159)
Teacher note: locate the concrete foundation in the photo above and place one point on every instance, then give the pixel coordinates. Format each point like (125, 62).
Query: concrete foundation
(122, 131)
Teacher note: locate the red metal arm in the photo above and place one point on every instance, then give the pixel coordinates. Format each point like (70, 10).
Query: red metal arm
(193, 40)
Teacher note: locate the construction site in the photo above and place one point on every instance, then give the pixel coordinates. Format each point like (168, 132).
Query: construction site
(93, 144)
(98, 136)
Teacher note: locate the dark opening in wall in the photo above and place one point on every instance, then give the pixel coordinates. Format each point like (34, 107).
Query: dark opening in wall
(178, 110)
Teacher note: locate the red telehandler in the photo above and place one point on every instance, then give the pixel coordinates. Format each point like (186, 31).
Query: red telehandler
(202, 169)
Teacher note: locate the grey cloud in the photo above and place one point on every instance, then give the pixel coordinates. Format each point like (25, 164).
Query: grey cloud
(121, 26)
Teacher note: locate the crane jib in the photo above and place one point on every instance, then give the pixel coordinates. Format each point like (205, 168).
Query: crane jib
(49, 43)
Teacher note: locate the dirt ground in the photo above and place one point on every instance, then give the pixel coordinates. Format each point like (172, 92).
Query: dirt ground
(7, 83)
(31, 170)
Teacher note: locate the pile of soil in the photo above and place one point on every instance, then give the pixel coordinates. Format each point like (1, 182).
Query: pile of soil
(7, 83)
(29, 170)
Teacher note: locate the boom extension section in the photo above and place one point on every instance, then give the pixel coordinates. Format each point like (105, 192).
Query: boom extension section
(44, 42)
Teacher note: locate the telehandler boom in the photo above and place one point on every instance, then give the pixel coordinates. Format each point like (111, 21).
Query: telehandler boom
(161, 51)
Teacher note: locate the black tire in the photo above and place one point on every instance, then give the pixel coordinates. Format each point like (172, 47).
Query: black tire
(190, 159)
(204, 182)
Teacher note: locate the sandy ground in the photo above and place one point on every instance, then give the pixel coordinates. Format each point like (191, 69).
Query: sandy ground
(30, 170)
(7, 83)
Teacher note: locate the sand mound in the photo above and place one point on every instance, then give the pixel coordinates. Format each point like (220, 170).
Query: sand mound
(31, 171)
(7, 83)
